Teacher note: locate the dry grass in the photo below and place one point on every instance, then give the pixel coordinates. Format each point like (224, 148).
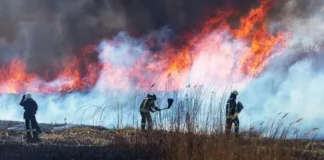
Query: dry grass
(129, 143)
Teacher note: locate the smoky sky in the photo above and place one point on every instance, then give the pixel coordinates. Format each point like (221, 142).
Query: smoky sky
(48, 32)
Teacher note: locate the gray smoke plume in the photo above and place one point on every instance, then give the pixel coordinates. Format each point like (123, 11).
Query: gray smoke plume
(292, 81)
(47, 32)
(44, 32)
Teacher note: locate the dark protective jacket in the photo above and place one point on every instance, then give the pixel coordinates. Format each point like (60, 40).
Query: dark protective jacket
(230, 106)
(148, 105)
(30, 107)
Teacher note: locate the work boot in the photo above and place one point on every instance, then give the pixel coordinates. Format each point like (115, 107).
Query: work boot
(28, 138)
(39, 132)
(35, 134)
(35, 137)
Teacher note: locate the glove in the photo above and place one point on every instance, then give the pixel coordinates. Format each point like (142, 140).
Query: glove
(235, 115)
(158, 109)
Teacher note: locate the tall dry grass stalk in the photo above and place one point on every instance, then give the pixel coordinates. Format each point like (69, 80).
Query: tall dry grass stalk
(194, 128)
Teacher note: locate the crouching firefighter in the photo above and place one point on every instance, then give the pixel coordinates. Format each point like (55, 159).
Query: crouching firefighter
(30, 107)
(232, 111)
(147, 106)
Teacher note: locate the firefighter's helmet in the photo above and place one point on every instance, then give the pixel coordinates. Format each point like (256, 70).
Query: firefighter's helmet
(234, 92)
(151, 96)
(27, 95)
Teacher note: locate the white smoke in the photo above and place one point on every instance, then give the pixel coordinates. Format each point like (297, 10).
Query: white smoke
(217, 61)
(292, 82)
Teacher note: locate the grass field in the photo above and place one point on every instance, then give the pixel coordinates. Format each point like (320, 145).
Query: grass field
(129, 143)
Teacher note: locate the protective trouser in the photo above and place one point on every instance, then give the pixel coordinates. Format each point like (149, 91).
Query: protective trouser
(38, 129)
(31, 125)
(229, 123)
(146, 116)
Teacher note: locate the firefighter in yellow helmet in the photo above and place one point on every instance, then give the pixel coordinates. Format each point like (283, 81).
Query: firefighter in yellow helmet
(147, 106)
(232, 111)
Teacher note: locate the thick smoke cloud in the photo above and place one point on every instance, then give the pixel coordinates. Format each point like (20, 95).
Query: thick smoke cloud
(47, 32)
(292, 81)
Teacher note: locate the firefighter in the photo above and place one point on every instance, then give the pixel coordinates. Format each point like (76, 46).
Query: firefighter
(232, 111)
(30, 107)
(147, 106)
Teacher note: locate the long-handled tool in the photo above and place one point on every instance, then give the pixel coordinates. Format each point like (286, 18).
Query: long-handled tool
(170, 102)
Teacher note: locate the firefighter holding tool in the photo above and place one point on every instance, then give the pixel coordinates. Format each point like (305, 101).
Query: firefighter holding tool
(233, 109)
(147, 106)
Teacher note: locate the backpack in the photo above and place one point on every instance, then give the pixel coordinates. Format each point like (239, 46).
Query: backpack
(239, 107)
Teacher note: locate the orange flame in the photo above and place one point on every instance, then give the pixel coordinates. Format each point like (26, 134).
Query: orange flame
(15, 79)
(215, 51)
(220, 56)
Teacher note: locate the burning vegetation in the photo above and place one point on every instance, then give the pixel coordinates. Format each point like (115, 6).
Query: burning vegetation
(232, 53)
